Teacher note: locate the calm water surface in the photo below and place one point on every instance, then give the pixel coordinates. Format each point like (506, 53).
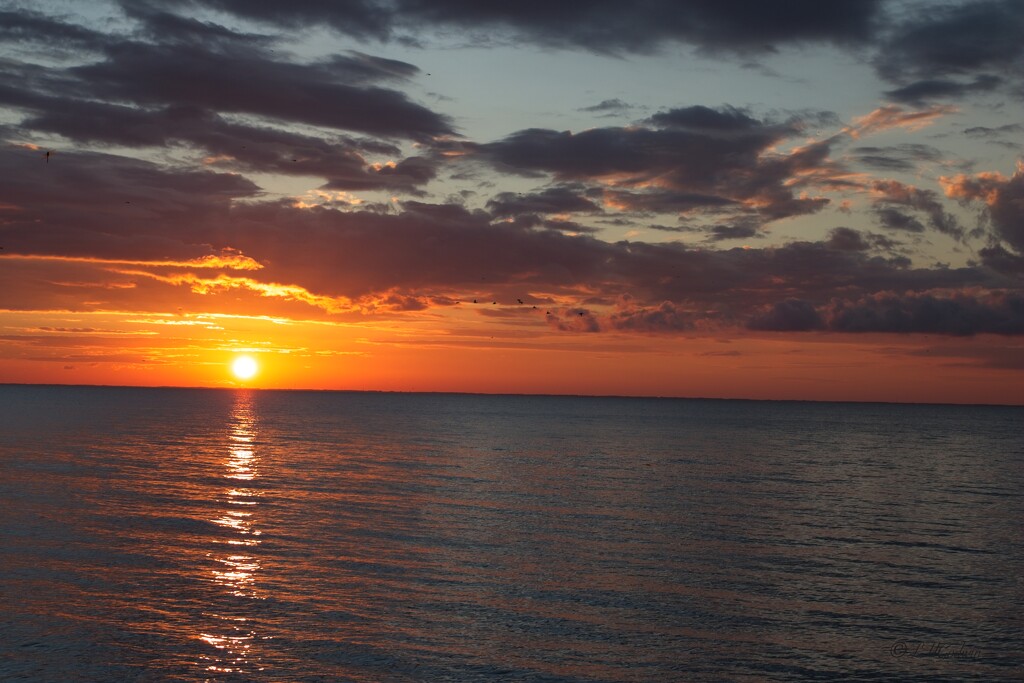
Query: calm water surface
(190, 535)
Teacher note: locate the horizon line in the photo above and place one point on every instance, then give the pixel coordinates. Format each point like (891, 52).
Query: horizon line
(509, 394)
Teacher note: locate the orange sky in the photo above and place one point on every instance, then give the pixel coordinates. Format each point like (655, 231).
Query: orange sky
(806, 201)
(462, 350)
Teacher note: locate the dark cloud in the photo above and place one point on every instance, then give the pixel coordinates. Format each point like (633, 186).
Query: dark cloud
(187, 63)
(1001, 260)
(959, 314)
(846, 239)
(733, 232)
(665, 201)
(893, 198)
(671, 228)
(110, 206)
(933, 51)
(107, 207)
(667, 317)
(573, 320)
(598, 25)
(791, 315)
(894, 219)
(676, 169)
(1004, 199)
(571, 227)
(532, 220)
(315, 94)
(922, 92)
(700, 118)
(405, 175)
(360, 18)
(165, 27)
(551, 200)
(985, 132)
(339, 160)
(114, 207)
(33, 27)
(906, 157)
(608, 107)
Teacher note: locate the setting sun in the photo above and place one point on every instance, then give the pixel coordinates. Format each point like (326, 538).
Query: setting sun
(244, 367)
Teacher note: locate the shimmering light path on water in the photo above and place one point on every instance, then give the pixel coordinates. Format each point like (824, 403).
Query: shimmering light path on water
(186, 535)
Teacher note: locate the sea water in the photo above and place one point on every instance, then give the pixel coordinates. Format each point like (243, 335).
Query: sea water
(191, 535)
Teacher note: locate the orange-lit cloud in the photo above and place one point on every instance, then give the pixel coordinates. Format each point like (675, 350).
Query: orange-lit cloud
(227, 261)
(892, 117)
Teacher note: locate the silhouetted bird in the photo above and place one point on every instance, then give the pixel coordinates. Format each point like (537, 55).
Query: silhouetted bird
(47, 156)
(474, 300)
(519, 300)
(581, 313)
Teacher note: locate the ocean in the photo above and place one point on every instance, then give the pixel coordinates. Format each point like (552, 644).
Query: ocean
(194, 535)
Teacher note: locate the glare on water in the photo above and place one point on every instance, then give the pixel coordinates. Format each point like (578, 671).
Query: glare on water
(232, 635)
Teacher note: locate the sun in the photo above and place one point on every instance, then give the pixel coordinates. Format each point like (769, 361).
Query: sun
(244, 367)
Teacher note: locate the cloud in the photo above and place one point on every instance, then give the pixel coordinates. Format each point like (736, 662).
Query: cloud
(986, 132)
(920, 92)
(572, 320)
(190, 64)
(119, 231)
(93, 204)
(667, 317)
(1001, 260)
(698, 158)
(341, 161)
(892, 195)
(791, 315)
(891, 116)
(26, 26)
(701, 118)
(846, 239)
(608, 107)
(314, 94)
(597, 25)
(733, 232)
(105, 206)
(958, 314)
(341, 261)
(932, 51)
(1003, 196)
(551, 200)
(893, 219)
(905, 157)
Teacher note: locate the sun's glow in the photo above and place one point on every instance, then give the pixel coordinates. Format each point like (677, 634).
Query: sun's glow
(244, 367)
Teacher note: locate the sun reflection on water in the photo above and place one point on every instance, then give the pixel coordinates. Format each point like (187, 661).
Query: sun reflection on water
(236, 565)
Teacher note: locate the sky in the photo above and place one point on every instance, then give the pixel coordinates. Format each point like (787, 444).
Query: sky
(707, 198)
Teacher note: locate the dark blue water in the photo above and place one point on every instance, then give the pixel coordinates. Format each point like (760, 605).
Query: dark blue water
(189, 535)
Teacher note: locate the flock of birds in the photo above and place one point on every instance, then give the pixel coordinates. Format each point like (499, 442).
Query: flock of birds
(522, 303)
